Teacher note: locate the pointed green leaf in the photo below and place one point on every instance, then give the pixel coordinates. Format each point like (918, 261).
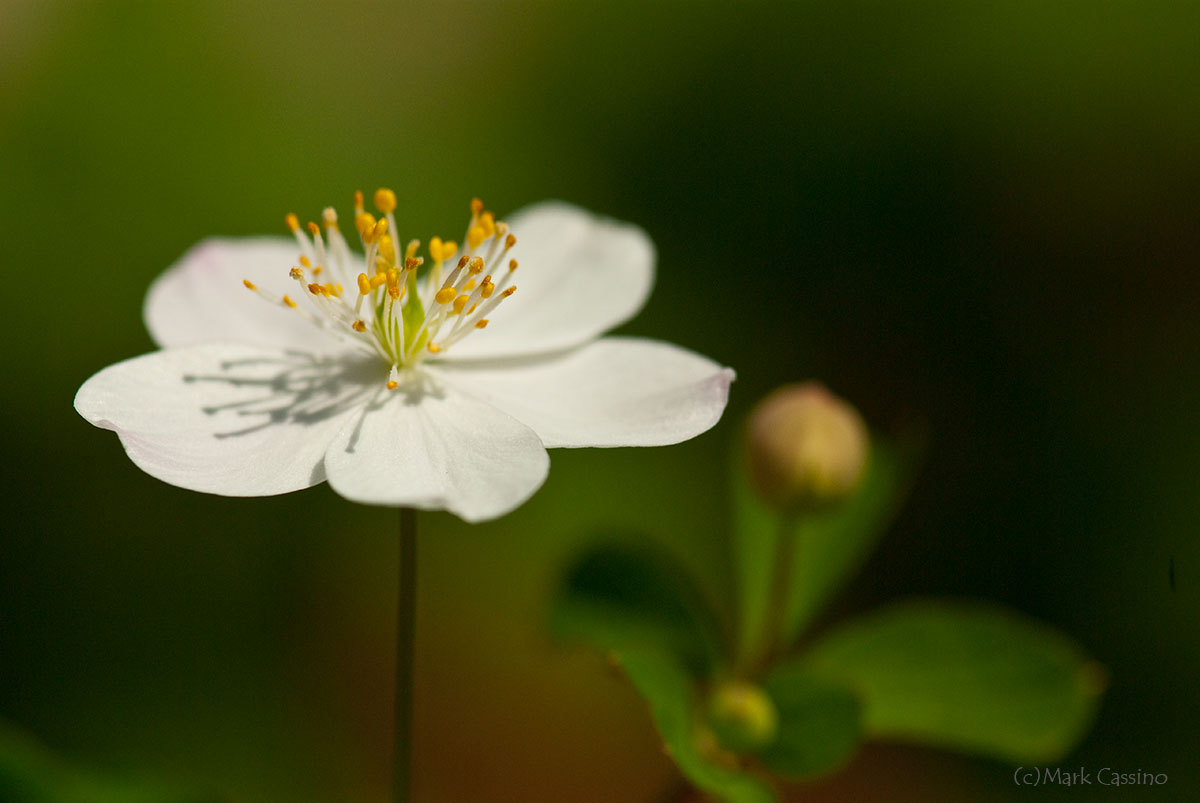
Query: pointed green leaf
(970, 677)
(665, 685)
(819, 723)
(619, 596)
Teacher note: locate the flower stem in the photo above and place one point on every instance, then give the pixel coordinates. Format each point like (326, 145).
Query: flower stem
(782, 569)
(406, 627)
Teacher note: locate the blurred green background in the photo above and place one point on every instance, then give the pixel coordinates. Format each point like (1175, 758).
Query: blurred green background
(983, 219)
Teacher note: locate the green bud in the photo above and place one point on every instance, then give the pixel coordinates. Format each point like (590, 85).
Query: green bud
(742, 716)
(807, 447)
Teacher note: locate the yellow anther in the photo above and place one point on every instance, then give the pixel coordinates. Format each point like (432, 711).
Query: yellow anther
(378, 279)
(358, 326)
(475, 236)
(329, 217)
(477, 265)
(364, 222)
(296, 273)
(364, 284)
(385, 200)
(334, 290)
(304, 261)
(315, 289)
(394, 292)
(512, 264)
(358, 202)
(461, 302)
(472, 309)
(501, 229)
(488, 221)
(249, 284)
(313, 229)
(434, 347)
(463, 260)
(510, 240)
(393, 277)
(411, 250)
(392, 384)
(380, 229)
(445, 295)
(481, 323)
(488, 288)
(293, 222)
(387, 249)
(440, 251)
(288, 300)
(476, 207)
(317, 270)
(470, 285)
(509, 292)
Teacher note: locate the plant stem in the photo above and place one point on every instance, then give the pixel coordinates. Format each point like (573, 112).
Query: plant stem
(406, 626)
(782, 566)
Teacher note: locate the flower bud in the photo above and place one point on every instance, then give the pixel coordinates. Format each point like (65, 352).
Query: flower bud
(742, 716)
(807, 447)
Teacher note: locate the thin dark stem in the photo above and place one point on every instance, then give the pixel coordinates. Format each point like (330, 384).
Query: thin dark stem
(406, 630)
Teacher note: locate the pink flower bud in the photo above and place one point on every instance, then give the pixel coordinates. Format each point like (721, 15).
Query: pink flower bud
(807, 447)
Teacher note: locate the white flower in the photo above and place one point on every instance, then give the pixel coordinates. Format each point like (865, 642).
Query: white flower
(387, 385)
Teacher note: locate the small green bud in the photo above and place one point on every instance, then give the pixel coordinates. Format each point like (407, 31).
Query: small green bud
(807, 447)
(742, 716)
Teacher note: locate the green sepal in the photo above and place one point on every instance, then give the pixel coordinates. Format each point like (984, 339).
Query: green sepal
(965, 676)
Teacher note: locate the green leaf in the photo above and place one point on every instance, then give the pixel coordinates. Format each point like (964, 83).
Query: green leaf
(969, 677)
(820, 723)
(620, 596)
(671, 694)
(31, 773)
(831, 544)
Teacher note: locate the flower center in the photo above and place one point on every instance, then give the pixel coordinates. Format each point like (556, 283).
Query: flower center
(389, 310)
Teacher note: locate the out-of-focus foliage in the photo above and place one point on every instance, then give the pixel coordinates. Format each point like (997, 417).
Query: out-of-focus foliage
(976, 678)
(671, 695)
(943, 673)
(31, 773)
(624, 596)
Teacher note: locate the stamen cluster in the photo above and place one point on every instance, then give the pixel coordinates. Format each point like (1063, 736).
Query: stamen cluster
(394, 314)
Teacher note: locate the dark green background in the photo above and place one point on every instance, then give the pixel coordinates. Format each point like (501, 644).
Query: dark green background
(982, 220)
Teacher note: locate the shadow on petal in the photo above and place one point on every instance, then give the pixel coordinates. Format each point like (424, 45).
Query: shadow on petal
(304, 389)
(413, 386)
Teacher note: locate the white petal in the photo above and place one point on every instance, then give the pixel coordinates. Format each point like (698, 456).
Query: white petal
(229, 420)
(613, 392)
(201, 298)
(579, 276)
(437, 450)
